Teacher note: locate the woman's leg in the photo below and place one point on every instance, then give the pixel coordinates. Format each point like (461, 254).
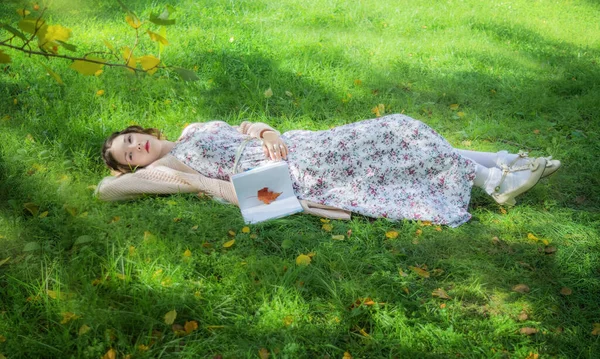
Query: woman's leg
(489, 159)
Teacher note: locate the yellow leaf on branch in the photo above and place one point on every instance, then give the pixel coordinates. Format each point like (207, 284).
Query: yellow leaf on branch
(87, 68)
(31, 26)
(52, 33)
(4, 58)
(23, 12)
(133, 21)
(149, 63)
(128, 56)
(156, 37)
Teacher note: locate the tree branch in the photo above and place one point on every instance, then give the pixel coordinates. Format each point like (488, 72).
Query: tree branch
(49, 54)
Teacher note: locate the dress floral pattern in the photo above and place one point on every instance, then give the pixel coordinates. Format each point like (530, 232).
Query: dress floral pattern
(393, 166)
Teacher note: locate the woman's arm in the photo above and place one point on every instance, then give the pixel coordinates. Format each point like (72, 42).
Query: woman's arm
(273, 146)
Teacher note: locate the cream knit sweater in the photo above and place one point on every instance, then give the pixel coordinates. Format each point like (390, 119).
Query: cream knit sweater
(168, 175)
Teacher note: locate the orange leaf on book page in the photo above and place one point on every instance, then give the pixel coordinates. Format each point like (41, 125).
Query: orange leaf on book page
(266, 196)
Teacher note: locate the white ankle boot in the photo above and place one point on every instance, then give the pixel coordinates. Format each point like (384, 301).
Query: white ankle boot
(506, 184)
(506, 159)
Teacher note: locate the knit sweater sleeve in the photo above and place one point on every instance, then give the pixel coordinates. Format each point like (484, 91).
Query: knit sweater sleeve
(162, 180)
(255, 129)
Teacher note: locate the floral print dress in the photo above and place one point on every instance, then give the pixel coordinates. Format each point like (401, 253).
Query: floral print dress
(393, 166)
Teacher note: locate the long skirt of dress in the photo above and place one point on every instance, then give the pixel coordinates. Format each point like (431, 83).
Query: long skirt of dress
(393, 167)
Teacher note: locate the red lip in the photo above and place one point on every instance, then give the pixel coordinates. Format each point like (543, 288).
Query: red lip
(148, 146)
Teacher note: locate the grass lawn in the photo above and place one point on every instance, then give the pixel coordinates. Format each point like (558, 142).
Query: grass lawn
(84, 279)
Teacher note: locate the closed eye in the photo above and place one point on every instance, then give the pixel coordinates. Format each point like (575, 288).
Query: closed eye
(129, 138)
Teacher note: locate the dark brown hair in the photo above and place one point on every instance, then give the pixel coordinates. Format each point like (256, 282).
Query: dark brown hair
(110, 160)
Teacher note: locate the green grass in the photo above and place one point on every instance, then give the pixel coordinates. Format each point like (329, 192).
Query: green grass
(525, 75)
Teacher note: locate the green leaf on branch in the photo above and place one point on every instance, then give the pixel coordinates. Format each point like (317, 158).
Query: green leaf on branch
(186, 75)
(163, 19)
(87, 68)
(149, 63)
(31, 26)
(156, 37)
(4, 58)
(53, 74)
(67, 46)
(13, 31)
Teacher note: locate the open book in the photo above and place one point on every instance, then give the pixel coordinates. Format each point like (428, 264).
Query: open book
(275, 178)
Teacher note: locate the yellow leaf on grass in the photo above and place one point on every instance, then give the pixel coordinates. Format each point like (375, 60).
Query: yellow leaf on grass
(87, 68)
(325, 220)
(67, 317)
(187, 253)
(110, 354)
(131, 251)
(228, 243)
(148, 236)
(418, 232)
(83, 330)
(4, 58)
(143, 347)
(288, 320)
(339, 237)
(133, 21)
(231, 233)
(327, 227)
(347, 356)
(546, 242)
(170, 317)
(264, 353)
(596, 330)
(2, 338)
(246, 230)
(190, 326)
(156, 37)
(440, 293)
(454, 107)
(378, 110)
(268, 93)
(532, 237)
(391, 234)
(420, 271)
(303, 260)
(2, 262)
(149, 63)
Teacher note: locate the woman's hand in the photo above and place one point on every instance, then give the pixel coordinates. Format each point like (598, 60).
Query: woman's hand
(273, 146)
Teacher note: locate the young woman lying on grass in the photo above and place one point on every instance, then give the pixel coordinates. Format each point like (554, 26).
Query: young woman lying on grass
(393, 167)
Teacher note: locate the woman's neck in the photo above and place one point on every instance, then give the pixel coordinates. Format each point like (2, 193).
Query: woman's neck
(166, 147)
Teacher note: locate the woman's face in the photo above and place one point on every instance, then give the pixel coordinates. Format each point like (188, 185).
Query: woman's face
(136, 149)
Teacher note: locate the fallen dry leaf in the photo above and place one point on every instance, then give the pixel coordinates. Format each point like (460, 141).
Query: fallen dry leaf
(528, 331)
(288, 320)
(421, 272)
(521, 288)
(522, 316)
(440, 293)
(264, 353)
(83, 329)
(550, 250)
(190, 326)
(347, 356)
(266, 196)
(110, 354)
(187, 253)
(532, 237)
(67, 317)
(327, 227)
(596, 330)
(443, 306)
(246, 230)
(178, 329)
(566, 291)
(339, 237)
(533, 356)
